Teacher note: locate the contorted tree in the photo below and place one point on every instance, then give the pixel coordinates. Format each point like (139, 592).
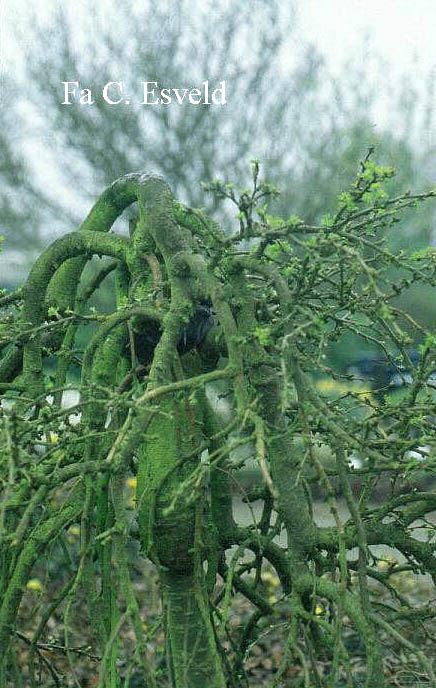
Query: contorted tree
(252, 314)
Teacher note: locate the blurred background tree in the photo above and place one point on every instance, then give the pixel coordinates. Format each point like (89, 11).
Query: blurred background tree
(22, 205)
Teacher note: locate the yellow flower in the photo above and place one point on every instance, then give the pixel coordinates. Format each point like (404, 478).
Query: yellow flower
(131, 482)
(34, 585)
(270, 579)
(319, 610)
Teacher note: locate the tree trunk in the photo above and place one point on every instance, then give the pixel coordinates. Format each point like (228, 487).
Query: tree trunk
(192, 655)
(170, 535)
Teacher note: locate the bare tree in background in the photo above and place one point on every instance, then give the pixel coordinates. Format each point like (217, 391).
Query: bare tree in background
(19, 218)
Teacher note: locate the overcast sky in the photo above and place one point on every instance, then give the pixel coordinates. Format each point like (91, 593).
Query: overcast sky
(401, 31)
